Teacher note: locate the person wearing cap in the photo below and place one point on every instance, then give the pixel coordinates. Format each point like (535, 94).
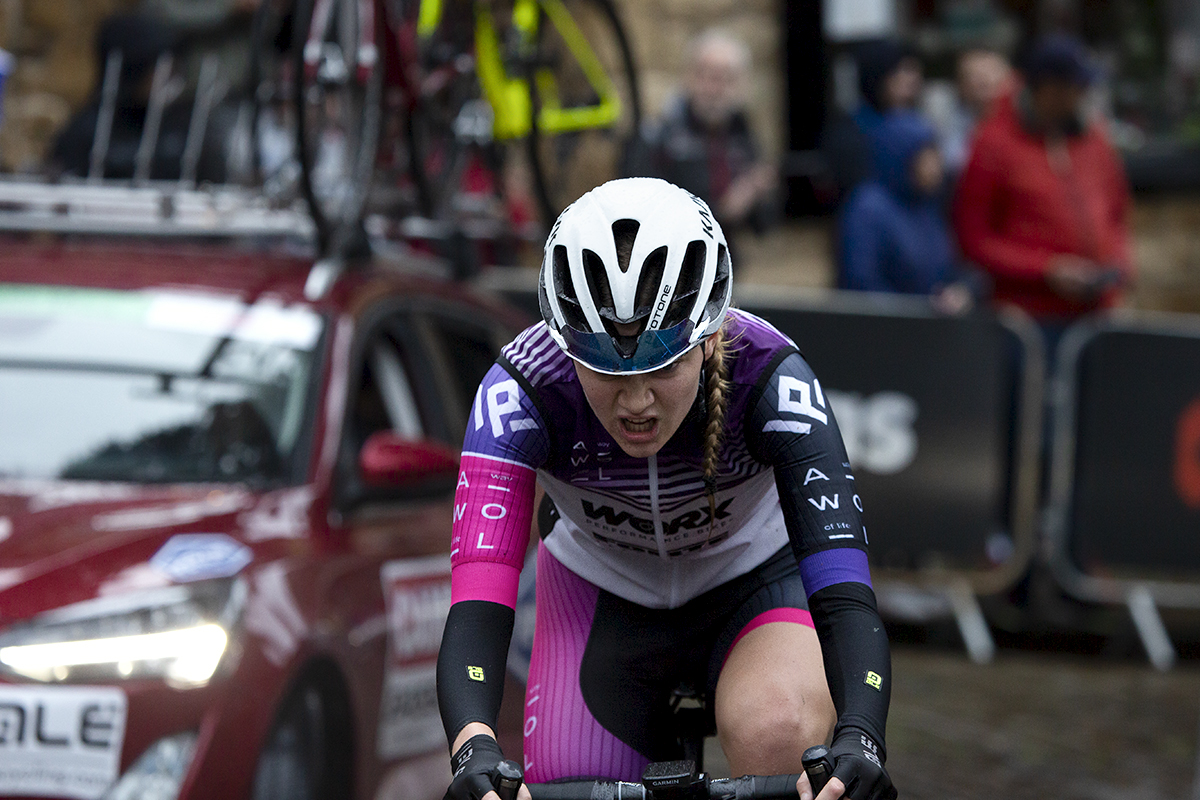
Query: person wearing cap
(701, 524)
(1043, 205)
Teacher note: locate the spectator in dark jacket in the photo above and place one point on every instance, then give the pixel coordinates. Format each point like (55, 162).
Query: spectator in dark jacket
(141, 40)
(1043, 204)
(704, 142)
(893, 234)
(218, 27)
(890, 78)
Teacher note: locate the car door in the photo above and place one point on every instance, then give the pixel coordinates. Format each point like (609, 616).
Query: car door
(415, 366)
(463, 346)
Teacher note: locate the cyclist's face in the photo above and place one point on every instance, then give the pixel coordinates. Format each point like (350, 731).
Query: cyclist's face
(642, 412)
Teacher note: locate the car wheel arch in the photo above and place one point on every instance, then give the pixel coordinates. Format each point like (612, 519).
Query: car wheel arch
(309, 749)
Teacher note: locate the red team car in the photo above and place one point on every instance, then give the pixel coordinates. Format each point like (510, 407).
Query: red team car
(226, 484)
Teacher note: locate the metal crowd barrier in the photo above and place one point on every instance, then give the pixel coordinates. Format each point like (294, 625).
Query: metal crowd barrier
(942, 420)
(1123, 522)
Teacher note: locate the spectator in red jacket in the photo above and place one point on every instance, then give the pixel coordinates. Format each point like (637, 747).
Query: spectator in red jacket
(1043, 204)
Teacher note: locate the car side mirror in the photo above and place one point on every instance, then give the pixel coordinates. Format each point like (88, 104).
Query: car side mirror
(388, 460)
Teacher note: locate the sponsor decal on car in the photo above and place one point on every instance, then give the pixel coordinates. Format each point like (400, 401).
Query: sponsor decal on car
(188, 557)
(60, 741)
(417, 596)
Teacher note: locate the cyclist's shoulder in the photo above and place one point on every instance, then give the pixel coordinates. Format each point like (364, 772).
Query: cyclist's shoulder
(536, 357)
(756, 347)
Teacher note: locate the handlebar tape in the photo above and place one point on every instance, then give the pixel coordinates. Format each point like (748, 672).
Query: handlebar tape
(754, 787)
(588, 790)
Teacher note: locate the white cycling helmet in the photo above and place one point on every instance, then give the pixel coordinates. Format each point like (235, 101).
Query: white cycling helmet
(675, 284)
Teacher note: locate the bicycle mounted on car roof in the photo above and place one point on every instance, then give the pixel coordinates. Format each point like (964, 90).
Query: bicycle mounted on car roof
(399, 105)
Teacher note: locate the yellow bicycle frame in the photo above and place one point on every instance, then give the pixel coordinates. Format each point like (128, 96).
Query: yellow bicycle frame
(511, 97)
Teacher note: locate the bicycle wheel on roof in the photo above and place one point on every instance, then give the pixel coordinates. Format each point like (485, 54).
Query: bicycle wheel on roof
(340, 73)
(585, 97)
(450, 125)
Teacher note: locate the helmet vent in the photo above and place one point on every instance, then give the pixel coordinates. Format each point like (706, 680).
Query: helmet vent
(564, 289)
(649, 282)
(691, 273)
(720, 287)
(597, 284)
(624, 232)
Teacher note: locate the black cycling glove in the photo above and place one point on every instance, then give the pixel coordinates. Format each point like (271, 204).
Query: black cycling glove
(858, 763)
(474, 767)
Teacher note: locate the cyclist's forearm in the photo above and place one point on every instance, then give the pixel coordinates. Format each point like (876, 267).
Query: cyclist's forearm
(857, 658)
(471, 665)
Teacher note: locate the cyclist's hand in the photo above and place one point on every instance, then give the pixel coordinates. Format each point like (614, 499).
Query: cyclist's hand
(858, 771)
(474, 765)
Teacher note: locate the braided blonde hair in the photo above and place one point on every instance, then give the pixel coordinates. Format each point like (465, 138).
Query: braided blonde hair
(716, 387)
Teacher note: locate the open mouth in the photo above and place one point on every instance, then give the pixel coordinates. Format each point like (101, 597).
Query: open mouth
(639, 426)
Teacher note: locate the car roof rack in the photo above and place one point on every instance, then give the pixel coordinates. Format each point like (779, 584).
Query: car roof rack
(145, 207)
(155, 209)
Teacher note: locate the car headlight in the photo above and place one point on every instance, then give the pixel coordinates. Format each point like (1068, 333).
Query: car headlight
(178, 634)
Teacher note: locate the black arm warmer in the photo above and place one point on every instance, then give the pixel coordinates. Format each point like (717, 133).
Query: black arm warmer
(858, 663)
(471, 664)
(791, 427)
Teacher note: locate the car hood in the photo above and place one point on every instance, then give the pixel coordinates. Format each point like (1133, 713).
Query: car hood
(63, 542)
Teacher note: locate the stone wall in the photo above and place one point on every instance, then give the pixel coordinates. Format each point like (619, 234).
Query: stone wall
(1166, 236)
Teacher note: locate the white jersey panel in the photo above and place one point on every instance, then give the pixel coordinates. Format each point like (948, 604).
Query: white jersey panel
(613, 544)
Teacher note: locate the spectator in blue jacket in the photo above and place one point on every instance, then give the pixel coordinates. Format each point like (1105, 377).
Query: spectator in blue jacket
(890, 78)
(894, 237)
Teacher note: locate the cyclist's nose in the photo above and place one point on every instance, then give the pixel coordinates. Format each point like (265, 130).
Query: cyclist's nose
(636, 396)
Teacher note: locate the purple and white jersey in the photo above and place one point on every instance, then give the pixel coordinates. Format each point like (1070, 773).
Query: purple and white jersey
(643, 528)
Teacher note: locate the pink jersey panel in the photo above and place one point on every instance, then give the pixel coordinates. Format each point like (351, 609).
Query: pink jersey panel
(485, 580)
(493, 509)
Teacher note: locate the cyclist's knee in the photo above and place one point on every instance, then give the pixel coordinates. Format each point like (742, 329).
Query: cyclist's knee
(766, 734)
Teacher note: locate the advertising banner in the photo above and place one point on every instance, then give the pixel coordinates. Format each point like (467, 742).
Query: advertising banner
(928, 407)
(1132, 495)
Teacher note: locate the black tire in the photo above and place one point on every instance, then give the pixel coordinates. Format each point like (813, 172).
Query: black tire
(566, 165)
(437, 155)
(338, 120)
(306, 756)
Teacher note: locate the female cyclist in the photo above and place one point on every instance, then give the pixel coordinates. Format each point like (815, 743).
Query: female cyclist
(702, 507)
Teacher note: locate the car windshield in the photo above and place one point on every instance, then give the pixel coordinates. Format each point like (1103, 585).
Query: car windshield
(151, 386)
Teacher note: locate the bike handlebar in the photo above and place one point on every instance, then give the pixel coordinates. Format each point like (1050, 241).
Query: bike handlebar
(747, 787)
(673, 780)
